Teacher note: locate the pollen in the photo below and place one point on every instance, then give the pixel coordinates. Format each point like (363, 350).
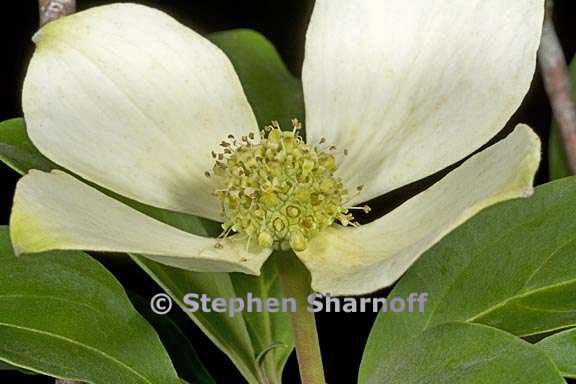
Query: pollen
(278, 191)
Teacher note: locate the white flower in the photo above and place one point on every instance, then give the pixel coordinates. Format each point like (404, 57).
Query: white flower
(129, 99)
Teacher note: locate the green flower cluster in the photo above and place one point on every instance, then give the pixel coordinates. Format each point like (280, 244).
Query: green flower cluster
(279, 191)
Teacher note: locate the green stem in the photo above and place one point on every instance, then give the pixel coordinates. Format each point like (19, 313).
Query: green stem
(296, 283)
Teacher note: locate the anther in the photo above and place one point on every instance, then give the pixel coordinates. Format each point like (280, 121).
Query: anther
(265, 240)
(292, 211)
(298, 241)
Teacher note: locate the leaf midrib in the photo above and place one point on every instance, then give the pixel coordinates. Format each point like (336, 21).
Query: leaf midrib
(89, 348)
(521, 296)
(55, 298)
(503, 235)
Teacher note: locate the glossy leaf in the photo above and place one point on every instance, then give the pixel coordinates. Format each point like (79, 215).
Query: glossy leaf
(458, 353)
(512, 267)
(561, 348)
(64, 315)
(558, 163)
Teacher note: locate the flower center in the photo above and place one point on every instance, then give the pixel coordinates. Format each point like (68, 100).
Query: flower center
(280, 192)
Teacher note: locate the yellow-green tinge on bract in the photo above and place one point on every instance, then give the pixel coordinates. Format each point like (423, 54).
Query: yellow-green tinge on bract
(129, 99)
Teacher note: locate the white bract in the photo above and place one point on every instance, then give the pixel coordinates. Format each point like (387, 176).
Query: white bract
(127, 98)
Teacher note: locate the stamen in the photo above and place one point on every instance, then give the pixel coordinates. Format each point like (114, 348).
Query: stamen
(364, 208)
(277, 190)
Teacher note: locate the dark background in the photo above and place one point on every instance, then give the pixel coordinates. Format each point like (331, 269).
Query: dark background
(284, 23)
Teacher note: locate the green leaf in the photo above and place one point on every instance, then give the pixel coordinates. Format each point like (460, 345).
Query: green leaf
(512, 267)
(458, 353)
(561, 348)
(272, 91)
(557, 160)
(558, 163)
(17, 151)
(182, 353)
(64, 315)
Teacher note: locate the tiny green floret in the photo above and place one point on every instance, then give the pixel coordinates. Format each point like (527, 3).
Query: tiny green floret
(279, 191)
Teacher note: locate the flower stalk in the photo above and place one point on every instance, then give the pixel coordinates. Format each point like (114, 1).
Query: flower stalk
(557, 82)
(296, 283)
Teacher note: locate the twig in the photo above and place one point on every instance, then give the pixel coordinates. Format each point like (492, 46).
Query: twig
(557, 82)
(53, 9)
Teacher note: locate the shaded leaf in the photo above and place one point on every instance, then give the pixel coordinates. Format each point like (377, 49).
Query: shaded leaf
(272, 91)
(8, 367)
(17, 151)
(179, 347)
(561, 348)
(557, 160)
(64, 315)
